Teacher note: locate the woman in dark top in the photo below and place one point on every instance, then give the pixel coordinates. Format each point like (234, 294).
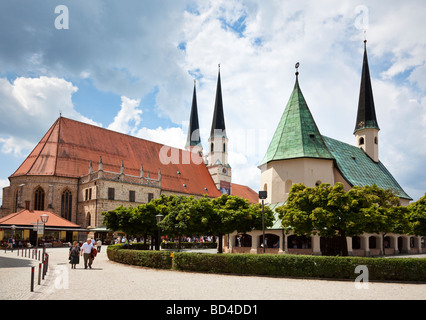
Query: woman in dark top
(74, 255)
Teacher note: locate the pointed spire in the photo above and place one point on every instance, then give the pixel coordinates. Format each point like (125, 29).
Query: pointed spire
(194, 127)
(218, 123)
(366, 117)
(297, 135)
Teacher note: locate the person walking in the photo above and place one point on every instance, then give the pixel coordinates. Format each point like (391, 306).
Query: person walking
(74, 255)
(10, 243)
(86, 251)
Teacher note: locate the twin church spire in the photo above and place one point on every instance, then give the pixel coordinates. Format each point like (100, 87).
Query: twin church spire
(217, 158)
(218, 122)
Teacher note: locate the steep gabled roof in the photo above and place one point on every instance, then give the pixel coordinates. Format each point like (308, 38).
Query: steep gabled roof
(366, 116)
(68, 147)
(245, 192)
(358, 169)
(297, 135)
(193, 138)
(218, 122)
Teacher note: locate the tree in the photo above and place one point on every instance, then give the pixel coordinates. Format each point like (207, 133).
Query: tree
(144, 216)
(132, 221)
(232, 213)
(325, 210)
(417, 217)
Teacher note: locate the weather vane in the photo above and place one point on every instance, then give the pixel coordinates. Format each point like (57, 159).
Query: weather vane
(297, 68)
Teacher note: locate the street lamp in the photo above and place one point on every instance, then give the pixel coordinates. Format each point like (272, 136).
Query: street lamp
(44, 218)
(13, 227)
(159, 218)
(263, 195)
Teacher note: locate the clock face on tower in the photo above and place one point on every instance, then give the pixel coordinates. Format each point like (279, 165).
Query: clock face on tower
(224, 171)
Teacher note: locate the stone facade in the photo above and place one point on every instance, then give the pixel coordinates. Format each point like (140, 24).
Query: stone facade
(91, 195)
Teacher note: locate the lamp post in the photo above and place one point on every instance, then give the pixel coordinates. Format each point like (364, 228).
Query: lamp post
(159, 218)
(13, 227)
(44, 219)
(263, 195)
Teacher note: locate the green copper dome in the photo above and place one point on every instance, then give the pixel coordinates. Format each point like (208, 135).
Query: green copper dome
(297, 135)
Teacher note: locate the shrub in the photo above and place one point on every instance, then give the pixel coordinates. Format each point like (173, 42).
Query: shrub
(142, 258)
(395, 269)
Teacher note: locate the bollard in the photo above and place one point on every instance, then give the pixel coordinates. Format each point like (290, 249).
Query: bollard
(42, 273)
(47, 262)
(39, 273)
(32, 279)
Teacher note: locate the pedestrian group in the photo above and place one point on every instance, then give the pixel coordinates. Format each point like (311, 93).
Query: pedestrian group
(87, 250)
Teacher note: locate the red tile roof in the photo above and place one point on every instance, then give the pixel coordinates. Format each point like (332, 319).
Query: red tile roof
(245, 192)
(68, 147)
(28, 217)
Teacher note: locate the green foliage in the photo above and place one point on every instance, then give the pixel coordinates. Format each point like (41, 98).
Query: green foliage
(186, 215)
(417, 217)
(332, 211)
(141, 258)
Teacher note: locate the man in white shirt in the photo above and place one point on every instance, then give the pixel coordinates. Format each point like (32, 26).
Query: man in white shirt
(86, 250)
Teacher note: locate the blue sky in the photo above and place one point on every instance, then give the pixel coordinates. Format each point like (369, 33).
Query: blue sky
(129, 66)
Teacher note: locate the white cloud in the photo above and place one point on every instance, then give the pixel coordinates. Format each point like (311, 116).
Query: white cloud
(128, 118)
(29, 106)
(173, 137)
(135, 52)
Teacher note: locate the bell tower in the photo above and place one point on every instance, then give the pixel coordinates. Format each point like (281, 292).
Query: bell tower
(217, 164)
(193, 141)
(366, 128)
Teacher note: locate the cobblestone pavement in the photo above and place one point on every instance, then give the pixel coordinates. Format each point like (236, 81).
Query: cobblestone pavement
(110, 280)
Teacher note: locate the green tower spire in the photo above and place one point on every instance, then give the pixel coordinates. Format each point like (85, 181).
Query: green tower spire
(297, 135)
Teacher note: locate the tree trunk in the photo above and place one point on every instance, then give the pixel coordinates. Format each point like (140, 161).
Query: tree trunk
(343, 244)
(219, 248)
(383, 243)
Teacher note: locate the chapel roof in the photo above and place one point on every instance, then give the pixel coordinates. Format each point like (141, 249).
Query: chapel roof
(297, 135)
(358, 169)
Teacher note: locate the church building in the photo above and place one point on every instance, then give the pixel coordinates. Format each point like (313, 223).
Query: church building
(77, 171)
(299, 153)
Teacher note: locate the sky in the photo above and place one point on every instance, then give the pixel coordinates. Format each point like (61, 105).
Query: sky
(130, 66)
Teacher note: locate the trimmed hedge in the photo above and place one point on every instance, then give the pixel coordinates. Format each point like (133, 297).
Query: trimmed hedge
(395, 269)
(141, 258)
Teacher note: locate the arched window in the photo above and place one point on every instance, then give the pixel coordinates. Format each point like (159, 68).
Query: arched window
(376, 140)
(224, 147)
(211, 147)
(39, 199)
(88, 219)
(66, 205)
(361, 141)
